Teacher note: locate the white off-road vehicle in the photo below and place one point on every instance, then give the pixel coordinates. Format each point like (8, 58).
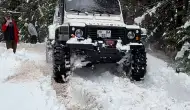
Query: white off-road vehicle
(96, 30)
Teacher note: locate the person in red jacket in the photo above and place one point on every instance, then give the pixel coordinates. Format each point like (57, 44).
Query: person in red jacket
(10, 31)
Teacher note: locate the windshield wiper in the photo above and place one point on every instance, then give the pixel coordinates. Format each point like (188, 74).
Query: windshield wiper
(109, 12)
(105, 11)
(78, 11)
(75, 10)
(98, 11)
(83, 9)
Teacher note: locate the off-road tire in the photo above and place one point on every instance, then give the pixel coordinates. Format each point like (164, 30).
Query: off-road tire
(138, 63)
(61, 58)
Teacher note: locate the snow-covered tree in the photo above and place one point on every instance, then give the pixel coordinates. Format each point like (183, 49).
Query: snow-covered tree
(167, 22)
(37, 12)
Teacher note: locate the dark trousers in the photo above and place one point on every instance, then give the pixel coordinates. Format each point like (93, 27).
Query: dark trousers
(33, 39)
(11, 44)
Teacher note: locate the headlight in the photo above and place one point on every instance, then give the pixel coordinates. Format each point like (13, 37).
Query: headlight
(79, 33)
(131, 35)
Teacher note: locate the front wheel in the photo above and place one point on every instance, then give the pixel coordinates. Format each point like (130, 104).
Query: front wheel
(138, 63)
(61, 63)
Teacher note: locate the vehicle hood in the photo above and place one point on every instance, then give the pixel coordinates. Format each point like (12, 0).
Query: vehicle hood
(104, 20)
(90, 20)
(82, 23)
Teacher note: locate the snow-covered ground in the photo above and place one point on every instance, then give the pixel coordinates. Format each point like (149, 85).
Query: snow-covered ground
(162, 89)
(25, 84)
(24, 80)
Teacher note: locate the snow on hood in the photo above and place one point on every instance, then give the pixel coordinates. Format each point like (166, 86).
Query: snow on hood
(132, 26)
(82, 20)
(90, 16)
(83, 23)
(10, 61)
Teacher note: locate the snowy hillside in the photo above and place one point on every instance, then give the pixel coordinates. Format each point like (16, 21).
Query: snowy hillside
(25, 84)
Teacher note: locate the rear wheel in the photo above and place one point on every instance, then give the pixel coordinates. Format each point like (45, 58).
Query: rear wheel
(138, 63)
(61, 63)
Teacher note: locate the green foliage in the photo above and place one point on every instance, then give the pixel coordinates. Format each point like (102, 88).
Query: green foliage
(38, 12)
(165, 27)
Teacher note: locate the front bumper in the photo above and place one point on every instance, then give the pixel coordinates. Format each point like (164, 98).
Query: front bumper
(99, 52)
(87, 44)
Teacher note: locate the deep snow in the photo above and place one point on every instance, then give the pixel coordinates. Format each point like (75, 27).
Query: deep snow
(162, 89)
(25, 83)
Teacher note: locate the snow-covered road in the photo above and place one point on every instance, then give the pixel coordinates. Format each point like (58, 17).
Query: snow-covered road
(25, 84)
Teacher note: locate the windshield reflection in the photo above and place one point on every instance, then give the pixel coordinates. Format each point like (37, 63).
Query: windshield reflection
(93, 6)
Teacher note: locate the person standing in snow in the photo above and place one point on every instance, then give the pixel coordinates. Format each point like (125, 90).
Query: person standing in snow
(33, 33)
(11, 32)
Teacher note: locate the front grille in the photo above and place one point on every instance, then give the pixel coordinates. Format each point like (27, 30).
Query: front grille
(116, 32)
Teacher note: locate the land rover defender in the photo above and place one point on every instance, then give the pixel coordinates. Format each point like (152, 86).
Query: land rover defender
(96, 30)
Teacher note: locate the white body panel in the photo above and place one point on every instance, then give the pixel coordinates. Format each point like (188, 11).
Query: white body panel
(82, 19)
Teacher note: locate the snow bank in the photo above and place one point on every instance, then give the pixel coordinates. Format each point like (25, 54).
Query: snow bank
(139, 20)
(184, 48)
(23, 85)
(8, 63)
(29, 96)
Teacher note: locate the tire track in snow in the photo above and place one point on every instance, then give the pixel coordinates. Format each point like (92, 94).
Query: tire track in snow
(76, 96)
(29, 71)
(32, 65)
(73, 97)
(103, 91)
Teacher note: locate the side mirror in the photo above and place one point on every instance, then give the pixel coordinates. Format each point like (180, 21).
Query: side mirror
(143, 35)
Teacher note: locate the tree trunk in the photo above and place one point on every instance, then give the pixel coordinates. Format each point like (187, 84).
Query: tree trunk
(186, 6)
(180, 12)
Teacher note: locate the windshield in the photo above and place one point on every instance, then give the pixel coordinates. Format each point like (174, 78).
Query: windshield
(93, 6)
